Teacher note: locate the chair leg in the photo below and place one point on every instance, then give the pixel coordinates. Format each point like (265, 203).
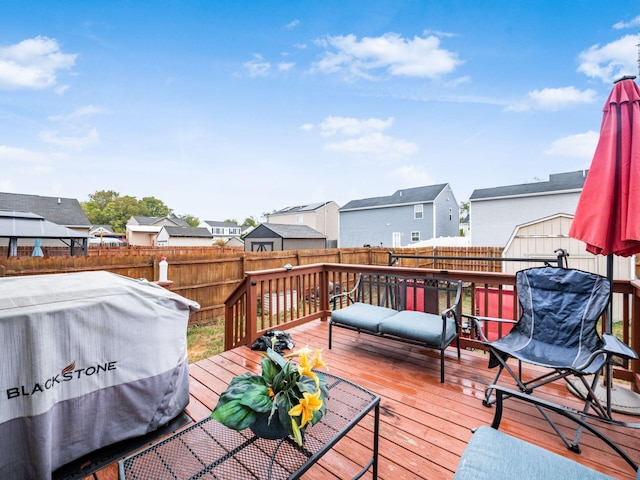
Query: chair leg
(442, 366)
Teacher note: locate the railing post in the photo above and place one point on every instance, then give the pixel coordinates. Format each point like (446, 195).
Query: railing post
(252, 310)
(324, 293)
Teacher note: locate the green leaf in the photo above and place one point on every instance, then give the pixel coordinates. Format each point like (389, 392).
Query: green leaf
(257, 398)
(269, 369)
(234, 415)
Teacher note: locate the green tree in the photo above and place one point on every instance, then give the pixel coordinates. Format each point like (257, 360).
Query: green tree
(98, 201)
(152, 207)
(191, 220)
(120, 211)
(249, 222)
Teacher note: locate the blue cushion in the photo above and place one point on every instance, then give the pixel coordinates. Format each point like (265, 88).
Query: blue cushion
(419, 326)
(362, 315)
(493, 455)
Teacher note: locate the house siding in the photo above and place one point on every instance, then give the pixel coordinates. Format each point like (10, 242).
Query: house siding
(376, 226)
(493, 220)
(447, 215)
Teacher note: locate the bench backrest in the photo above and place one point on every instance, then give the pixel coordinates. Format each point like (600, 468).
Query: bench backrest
(420, 293)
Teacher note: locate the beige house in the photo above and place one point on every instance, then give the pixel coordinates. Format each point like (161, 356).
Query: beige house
(142, 231)
(322, 217)
(170, 236)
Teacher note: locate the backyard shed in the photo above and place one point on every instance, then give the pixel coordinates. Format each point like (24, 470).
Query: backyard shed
(540, 238)
(273, 237)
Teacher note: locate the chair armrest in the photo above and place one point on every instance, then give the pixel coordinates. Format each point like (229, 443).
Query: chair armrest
(477, 320)
(574, 415)
(615, 346)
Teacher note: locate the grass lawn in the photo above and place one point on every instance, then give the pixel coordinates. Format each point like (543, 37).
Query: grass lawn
(205, 341)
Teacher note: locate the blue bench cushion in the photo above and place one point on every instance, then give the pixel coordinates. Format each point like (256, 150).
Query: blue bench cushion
(419, 326)
(362, 315)
(493, 455)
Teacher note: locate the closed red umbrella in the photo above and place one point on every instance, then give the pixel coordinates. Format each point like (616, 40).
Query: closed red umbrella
(607, 218)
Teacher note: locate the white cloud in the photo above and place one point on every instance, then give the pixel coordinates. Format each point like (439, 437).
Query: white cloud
(374, 143)
(421, 57)
(363, 136)
(353, 126)
(307, 127)
(581, 145)
(19, 155)
(611, 61)
(635, 22)
(284, 66)
(554, 99)
(33, 63)
(71, 142)
(86, 111)
(257, 67)
(292, 25)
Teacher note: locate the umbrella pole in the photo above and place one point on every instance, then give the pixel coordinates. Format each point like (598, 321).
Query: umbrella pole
(608, 329)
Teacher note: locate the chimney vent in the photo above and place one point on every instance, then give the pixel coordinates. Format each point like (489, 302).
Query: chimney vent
(59, 201)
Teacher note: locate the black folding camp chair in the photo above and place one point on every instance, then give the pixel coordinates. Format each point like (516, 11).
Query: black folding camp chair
(557, 329)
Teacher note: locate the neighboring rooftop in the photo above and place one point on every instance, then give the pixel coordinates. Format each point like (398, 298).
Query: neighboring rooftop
(188, 232)
(301, 208)
(405, 196)
(154, 220)
(558, 182)
(212, 223)
(59, 210)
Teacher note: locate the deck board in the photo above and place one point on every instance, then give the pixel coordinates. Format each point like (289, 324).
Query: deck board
(425, 425)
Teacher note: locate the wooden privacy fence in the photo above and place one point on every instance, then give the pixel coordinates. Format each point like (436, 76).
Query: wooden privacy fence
(209, 275)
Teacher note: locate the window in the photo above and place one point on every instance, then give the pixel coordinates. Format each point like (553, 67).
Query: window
(450, 214)
(418, 212)
(415, 236)
(298, 218)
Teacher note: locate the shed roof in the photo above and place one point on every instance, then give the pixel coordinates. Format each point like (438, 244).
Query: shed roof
(63, 211)
(29, 225)
(287, 231)
(558, 182)
(406, 196)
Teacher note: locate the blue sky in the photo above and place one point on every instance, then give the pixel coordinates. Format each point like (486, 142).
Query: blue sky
(229, 109)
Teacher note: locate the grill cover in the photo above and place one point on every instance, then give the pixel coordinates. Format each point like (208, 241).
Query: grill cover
(86, 360)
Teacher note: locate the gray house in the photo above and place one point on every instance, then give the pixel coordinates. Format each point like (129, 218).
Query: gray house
(408, 216)
(272, 237)
(496, 212)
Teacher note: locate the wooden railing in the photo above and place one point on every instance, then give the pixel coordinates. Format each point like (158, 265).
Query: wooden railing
(283, 298)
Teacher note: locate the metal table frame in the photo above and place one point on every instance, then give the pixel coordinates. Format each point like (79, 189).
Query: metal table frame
(208, 449)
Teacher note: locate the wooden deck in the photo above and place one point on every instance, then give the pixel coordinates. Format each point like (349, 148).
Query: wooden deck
(425, 425)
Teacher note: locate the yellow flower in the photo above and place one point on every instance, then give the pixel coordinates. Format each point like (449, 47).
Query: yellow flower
(308, 404)
(270, 392)
(317, 359)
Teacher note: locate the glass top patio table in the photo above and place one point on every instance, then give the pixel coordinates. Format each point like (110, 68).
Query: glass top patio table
(210, 450)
